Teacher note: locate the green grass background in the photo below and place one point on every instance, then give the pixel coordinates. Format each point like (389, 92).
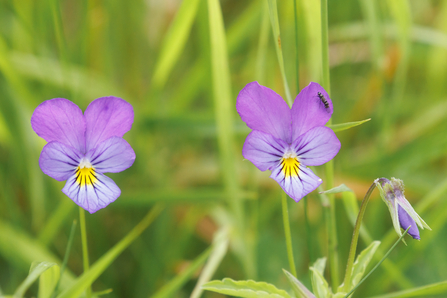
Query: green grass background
(182, 73)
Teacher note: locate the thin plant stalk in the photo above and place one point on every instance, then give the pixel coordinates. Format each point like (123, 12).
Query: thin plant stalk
(285, 216)
(85, 260)
(378, 264)
(355, 238)
(332, 227)
(297, 60)
(67, 254)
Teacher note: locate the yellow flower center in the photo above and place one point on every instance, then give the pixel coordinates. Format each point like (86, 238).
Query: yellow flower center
(85, 176)
(290, 166)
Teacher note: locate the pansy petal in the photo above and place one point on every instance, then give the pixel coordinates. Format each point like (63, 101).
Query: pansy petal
(405, 221)
(92, 195)
(107, 117)
(59, 161)
(310, 110)
(111, 156)
(263, 150)
(317, 146)
(60, 120)
(263, 109)
(296, 185)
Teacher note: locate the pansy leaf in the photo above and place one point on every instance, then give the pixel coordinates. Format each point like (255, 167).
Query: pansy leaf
(346, 125)
(245, 289)
(319, 284)
(37, 268)
(48, 281)
(299, 289)
(362, 262)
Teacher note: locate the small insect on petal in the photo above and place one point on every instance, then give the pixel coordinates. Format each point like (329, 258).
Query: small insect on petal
(323, 100)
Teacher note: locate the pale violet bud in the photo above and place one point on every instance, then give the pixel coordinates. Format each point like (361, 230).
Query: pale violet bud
(402, 213)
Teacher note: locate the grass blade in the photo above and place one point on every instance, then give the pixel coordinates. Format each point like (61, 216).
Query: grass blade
(87, 278)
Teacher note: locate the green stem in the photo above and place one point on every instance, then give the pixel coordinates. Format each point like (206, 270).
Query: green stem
(355, 238)
(325, 46)
(297, 60)
(88, 291)
(332, 227)
(285, 215)
(308, 232)
(378, 264)
(67, 254)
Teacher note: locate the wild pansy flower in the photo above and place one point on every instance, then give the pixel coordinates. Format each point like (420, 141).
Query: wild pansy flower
(82, 147)
(402, 213)
(286, 140)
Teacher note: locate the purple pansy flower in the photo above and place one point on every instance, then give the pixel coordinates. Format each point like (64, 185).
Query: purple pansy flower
(287, 141)
(82, 147)
(402, 213)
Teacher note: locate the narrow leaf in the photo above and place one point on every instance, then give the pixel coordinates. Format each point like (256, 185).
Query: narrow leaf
(48, 281)
(36, 270)
(319, 284)
(320, 264)
(88, 277)
(347, 125)
(362, 262)
(297, 286)
(424, 291)
(220, 246)
(174, 41)
(245, 289)
(337, 189)
(176, 283)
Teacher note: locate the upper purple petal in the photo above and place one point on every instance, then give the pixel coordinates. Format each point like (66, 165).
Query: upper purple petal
(405, 221)
(263, 150)
(317, 146)
(298, 186)
(59, 161)
(60, 120)
(310, 110)
(111, 156)
(263, 109)
(107, 117)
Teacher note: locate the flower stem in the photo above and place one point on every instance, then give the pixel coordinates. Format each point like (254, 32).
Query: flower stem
(378, 264)
(355, 238)
(88, 291)
(285, 215)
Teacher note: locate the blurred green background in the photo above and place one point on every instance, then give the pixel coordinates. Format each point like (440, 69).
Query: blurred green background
(388, 62)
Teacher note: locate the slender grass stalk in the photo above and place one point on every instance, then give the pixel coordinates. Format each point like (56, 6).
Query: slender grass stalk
(355, 238)
(378, 264)
(67, 254)
(297, 59)
(332, 227)
(285, 216)
(273, 11)
(85, 260)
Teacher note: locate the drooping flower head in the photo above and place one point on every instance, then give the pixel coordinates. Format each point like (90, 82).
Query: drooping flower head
(287, 141)
(402, 213)
(82, 147)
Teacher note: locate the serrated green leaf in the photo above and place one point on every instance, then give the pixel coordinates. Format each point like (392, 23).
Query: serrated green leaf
(299, 289)
(48, 281)
(245, 289)
(338, 189)
(362, 262)
(347, 125)
(319, 284)
(37, 268)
